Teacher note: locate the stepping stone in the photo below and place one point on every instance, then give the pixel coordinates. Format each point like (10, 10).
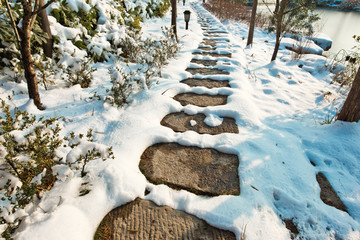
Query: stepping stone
(181, 122)
(202, 171)
(206, 71)
(143, 220)
(217, 32)
(201, 100)
(209, 42)
(328, 194)
(207, 48)
(213, 54)
(290, 225)
(211, 35)
(209, 83)
(204, 62)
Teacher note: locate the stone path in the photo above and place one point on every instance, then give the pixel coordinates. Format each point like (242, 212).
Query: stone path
(202, 171)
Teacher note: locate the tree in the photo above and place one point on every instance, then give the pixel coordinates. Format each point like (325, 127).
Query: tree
(292, 17)
(279, 29)
(252, 23)
(350, 112)
(30, 9)
(45, 25)
(173, 16)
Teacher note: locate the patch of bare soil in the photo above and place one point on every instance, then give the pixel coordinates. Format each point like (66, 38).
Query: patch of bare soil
(328, 194)
(209, 83)
(143, 220)
(201, 100)
(202, 171)
(181, 122)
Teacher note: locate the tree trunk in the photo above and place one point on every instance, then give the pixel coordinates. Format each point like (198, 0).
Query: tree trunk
(45, 25)
(27, 58)
(173, 16)
(252, 23)
(279, 15)
(350, 112)
(277, 4)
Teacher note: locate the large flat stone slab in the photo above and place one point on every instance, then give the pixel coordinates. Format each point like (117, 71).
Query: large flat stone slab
(213, 54)
(201, 100)
(144, 220)
(182, 122)
(209, 83)
(204, 62)
(201, 171)
(207, 48)
(206, 71)
(328, 194)
(209, 42)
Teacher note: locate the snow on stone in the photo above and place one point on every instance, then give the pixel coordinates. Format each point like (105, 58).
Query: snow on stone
(322, 40)
(305, 47)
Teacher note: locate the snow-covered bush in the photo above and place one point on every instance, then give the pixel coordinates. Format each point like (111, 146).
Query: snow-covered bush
(79, 73)
(351, 63)
(31, 154)
(150, 54)
(123, 85)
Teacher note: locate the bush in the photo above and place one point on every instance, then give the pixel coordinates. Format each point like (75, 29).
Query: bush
(350, 4)
(351, 63)
(29, 154)
(150, 54)
(81, 73)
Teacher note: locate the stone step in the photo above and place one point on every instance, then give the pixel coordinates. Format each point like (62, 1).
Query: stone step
(212, 54)
(209, 42)
(204, 62)
(206, 71)
(328, 194)
(207, 48)
(182, 122)
(201, 100)
(206, 82)
(144, 220)
(202, 171)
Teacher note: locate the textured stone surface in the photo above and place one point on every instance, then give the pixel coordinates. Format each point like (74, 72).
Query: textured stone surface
(207, 48)
(201, 100)
(180, 122)
(204, 62)
(213, 54)
(209, 42)
(209, 83)
(206, 71)
(143, 220)
(202, 171)
(328, 194)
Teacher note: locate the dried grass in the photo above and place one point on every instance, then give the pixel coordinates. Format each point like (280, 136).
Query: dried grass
(235, 11)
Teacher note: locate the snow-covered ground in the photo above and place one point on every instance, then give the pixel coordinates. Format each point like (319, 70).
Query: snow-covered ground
(280, 108)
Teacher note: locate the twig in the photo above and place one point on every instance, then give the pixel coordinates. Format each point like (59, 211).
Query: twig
(13, 23)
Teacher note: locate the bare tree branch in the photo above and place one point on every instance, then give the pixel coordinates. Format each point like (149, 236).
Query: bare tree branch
(43, 7)
(33, 16)
(13, 23)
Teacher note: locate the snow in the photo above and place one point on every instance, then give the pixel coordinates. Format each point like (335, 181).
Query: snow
(306, 47)
(322, 40)
(279, 108)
